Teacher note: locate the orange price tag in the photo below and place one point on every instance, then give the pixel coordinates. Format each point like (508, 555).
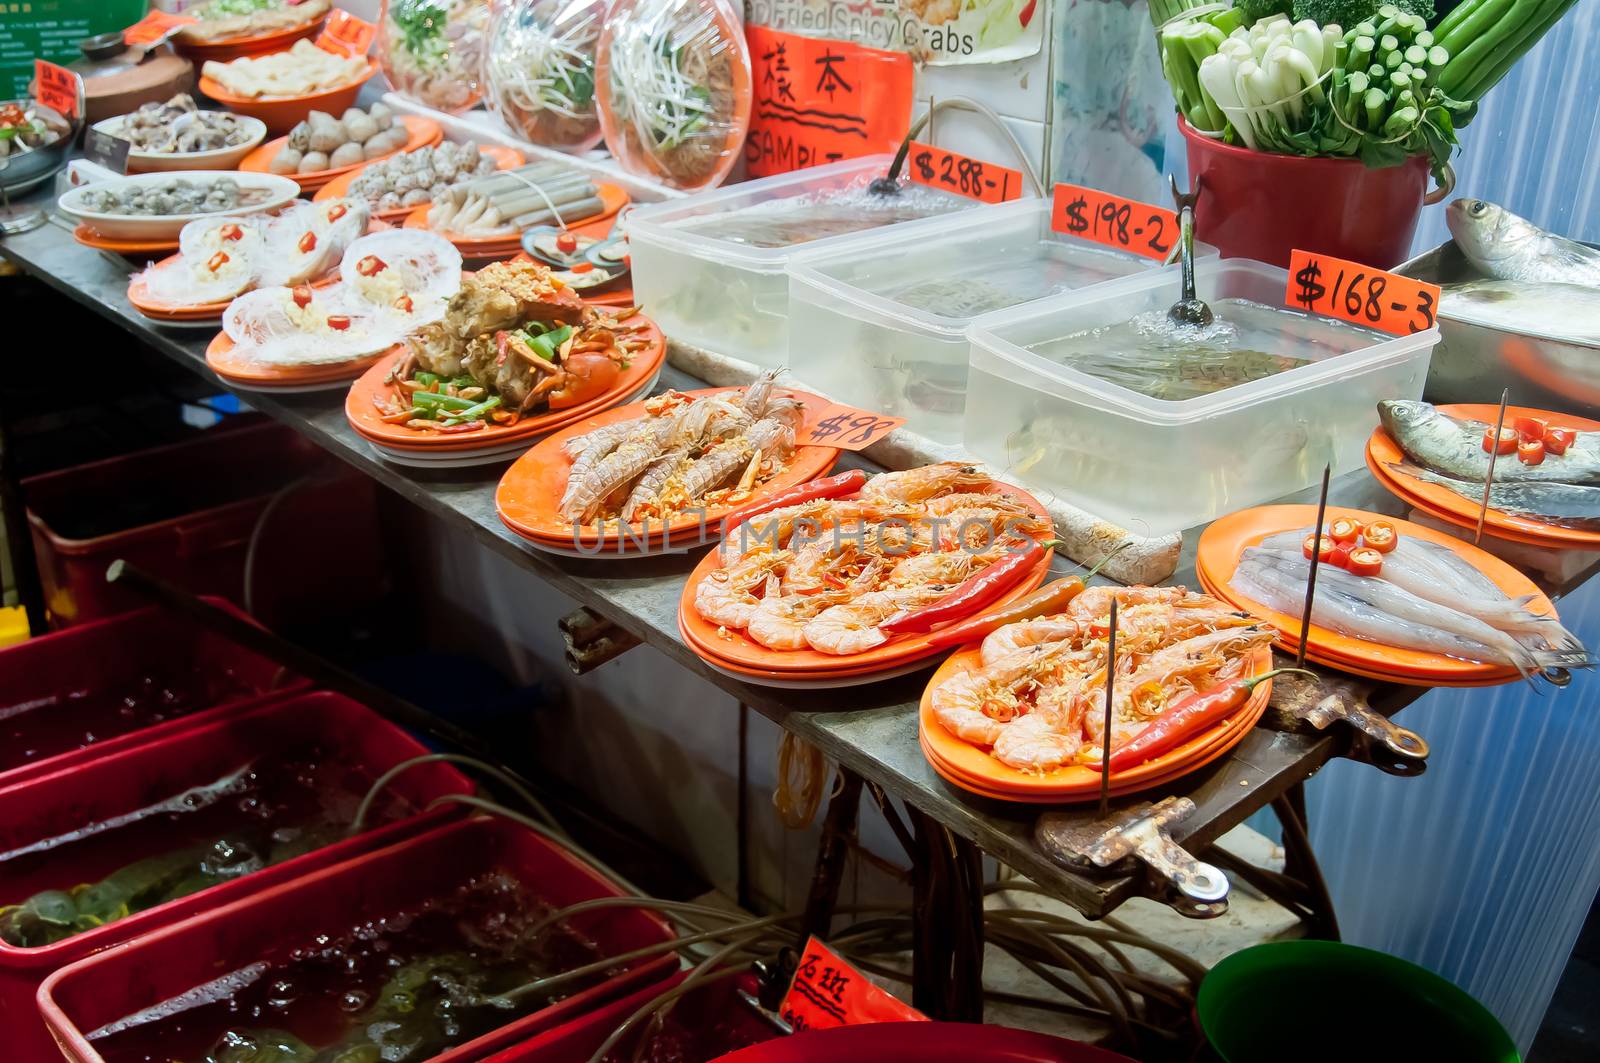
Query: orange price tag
(816, 101)
(347, 34)
(155, 27)
(939, 168)
(1125, 224)
(1361, 294)
(828, 992)
(845, 427)
(57, 88)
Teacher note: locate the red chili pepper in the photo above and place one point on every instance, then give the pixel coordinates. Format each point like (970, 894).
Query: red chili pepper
(1381, 536)
(1531, 452)
(1188, 718)
(1529, 428)
(371, 266)
(308, 242)
(232, 232)
(1557, 440)
(845, 483)
(582, 267)
(1507, 444)
(338, 322)
(973, 594)
(1345, 530)
(566, 243)
(403, 303)
(1365, 561)
(217, 261)
(1340, 555)
(1319, 545)
(337, 211)
(1048, 600)
(1025, 16)
(301, 296)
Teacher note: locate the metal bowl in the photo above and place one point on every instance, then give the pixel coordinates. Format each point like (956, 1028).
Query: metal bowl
(18, 173)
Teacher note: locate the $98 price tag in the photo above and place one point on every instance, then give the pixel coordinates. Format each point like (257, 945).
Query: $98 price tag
(938, 168)
(845, 427)
(1124, 224)
(828, 992)
(1360, 294)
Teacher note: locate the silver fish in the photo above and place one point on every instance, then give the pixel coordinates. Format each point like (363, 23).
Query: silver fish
(1454, 448)
(1511, 248)
(1538, 308)
(1574, 506)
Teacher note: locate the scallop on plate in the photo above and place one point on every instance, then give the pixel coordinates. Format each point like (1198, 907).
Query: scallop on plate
(297, 337)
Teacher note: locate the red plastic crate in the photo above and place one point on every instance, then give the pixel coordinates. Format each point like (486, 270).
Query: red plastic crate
(133, 778)
(175, 959)
(924, 1042)
(114, 654)
(186, 512)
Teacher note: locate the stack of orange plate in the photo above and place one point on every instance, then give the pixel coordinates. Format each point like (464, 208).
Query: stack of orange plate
(735, 654)
(485, 248)
(504, 159)
(222, 49)
(531, 490)
(1444, 504)
(90, 237)
(410, 446)
(425, 133)
(973, 768)
(1227, 538)
(246, 374)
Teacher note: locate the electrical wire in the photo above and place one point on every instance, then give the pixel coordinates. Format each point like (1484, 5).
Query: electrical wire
(963, 103)
(359, 820)
(801, 771)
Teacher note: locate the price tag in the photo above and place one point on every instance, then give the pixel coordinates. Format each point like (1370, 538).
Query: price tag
(107, 150)
(1124, 224)
(828, 992)
(154, 28)
(58, 88)
(938, 168)
(1360, 294)
(346, 34)
(845, 427)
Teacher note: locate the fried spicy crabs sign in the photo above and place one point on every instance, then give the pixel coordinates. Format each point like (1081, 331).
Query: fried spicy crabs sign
(818, 101)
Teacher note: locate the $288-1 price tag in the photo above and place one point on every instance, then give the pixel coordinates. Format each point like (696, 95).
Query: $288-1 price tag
(939, 168)
(1361, 294)
(1124, 224)
(828, 992)
(844, 427)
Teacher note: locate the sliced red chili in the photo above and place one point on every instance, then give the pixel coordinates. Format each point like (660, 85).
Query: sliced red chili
(1557, 440)
(1381, 536)
(1507, 444)
(1530, 427)
(338, 322)
(371, 266)
(566, 243)
(1340, 555)
(308, 242)
(1345, 530)
(337, 211)
(1365, 561)
(301, 295)
(1531, 451)
(403, 303)
(232, 232)
(217, 260)
(1318, 546)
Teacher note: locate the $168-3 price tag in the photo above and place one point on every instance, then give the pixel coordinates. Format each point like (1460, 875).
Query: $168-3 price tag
(1360, 294)
(845, 427)
(1124, 224)
(828, 992)
(938, 168)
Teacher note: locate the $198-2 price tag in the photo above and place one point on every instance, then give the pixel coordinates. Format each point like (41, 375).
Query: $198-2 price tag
(939, 168)
(1361, 294)
(828, 992)
(844, 427)
(1124, 224)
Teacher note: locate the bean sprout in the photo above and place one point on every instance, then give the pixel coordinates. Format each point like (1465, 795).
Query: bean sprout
(540, 70)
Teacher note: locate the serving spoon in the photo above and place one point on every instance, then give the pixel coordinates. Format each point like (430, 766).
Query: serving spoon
(1187, 310)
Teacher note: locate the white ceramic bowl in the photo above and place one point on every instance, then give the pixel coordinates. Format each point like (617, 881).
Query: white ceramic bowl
(278, 191)
(166, 161)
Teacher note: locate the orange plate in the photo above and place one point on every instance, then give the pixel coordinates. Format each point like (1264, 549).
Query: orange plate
(850, 672)
(612, 199)
(1383, 451)
(255, 44)
(90, 238)
(282, 113)
(528, 494)
(504, 159)
(967, 762)
(1222, 543)
(737, 648)
(220, 357)
(1402, 492)
(424, 133)
(364, 416)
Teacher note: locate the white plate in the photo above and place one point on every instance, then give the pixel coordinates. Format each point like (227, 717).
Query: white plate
(281, 190)
(926, 663)
(460, 460)
(169, 161)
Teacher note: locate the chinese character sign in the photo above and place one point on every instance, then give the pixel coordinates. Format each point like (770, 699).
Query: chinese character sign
(818, 101)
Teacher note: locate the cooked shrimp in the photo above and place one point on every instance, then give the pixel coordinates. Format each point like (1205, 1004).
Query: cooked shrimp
(1146, 690)
(773, 530)
(976, 705)
(1004, 641)
(853, 626)
(727, 597)
(919, 485)
(946, 566)
(779, 622)
(1035, 743)
(1095, 602)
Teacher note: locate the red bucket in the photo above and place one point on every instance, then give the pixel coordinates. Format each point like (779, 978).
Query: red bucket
(176, 959)
(67, 800)
(1260, 205)
(924, 1042)
(62, 695)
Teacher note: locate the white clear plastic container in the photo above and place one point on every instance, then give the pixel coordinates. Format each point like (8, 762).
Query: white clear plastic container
(883, 323)
(1156, 465)
(709, 269)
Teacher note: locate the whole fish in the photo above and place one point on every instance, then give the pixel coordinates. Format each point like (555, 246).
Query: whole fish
(1454, 447)
(1511, 248)
(1568, 311)
(1575, 506)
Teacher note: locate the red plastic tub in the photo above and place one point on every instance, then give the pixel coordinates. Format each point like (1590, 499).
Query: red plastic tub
(1256, 204)
(187, 511)
(923, 1042)
(133, 778)
(176, 959)
(100, 687)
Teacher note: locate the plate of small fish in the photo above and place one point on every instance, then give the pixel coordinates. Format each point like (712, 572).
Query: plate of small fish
(1394, 600)
(1546, 488)
(662, 471)
(856, 575)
